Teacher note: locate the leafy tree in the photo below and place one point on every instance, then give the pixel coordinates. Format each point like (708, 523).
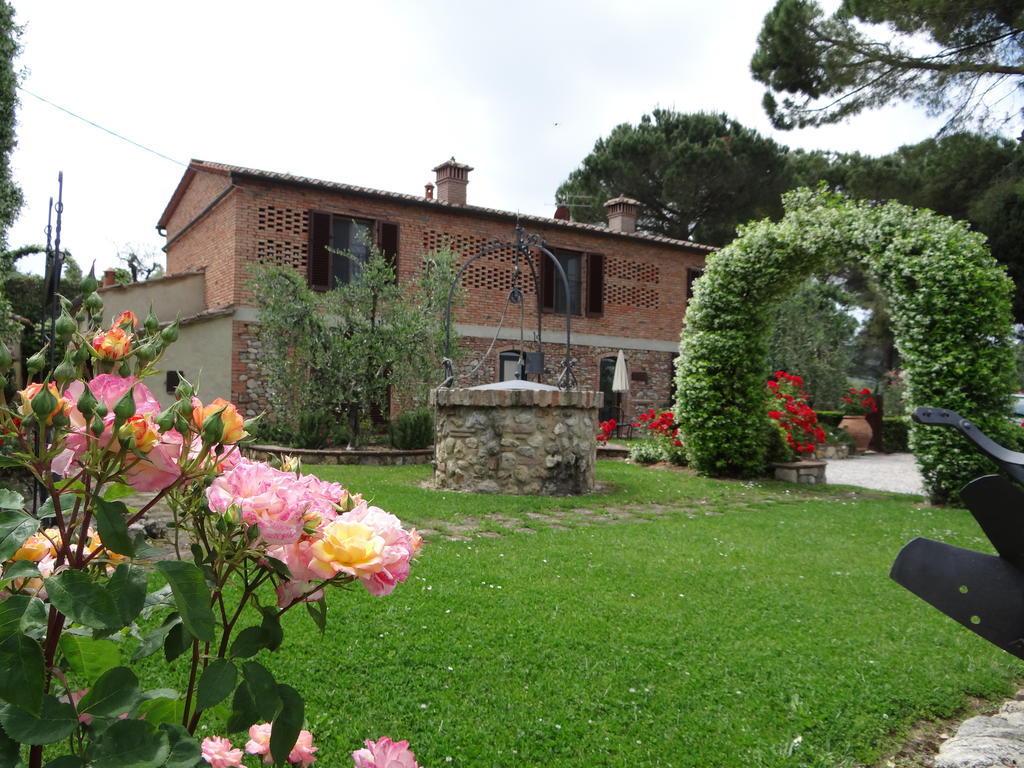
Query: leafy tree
(976, 178)
(10, 193)
(339, 351)
(950, 56)
(812, 335)
(696, 175)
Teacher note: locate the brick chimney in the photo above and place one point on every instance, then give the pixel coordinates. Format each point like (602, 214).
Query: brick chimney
(109, 278)
(562, 213)
(622, 214)
(452, 178)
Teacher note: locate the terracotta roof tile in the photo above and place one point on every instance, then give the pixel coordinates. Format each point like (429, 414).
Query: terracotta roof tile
(418, 200)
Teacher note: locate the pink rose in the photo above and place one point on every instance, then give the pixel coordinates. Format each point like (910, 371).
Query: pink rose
(259, 744)
(384, 753)
(261, 496)
(218, 752)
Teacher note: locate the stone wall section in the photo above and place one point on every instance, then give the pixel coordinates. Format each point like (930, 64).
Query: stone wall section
(515, 441)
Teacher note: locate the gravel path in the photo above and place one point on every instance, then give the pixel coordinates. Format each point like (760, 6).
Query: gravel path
(881, 471)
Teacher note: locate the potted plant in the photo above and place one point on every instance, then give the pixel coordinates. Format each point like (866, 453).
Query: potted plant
(855, 407)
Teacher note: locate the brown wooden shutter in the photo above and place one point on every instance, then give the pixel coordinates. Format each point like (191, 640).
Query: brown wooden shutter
(319, 265)
(387, 241)
(547, 283)
(595, 284)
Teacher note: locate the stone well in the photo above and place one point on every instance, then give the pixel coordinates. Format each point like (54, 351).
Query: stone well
(516, 437)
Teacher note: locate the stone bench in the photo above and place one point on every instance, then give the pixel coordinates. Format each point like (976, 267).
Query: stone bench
(810, 472)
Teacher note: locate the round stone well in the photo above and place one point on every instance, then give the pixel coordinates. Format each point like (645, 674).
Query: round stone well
(516, 437)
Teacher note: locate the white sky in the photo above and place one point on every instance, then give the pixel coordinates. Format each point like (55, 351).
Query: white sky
(374, 94)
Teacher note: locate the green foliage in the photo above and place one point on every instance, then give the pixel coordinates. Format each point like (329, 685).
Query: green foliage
(895, 434)
(945, 55)
(696, 176)
(320, 429)
(829, 418)
(646, 452)
(950, 311)
(413, 429)
(338, 352)
(966, 176)
(778, 449)
(813, 335)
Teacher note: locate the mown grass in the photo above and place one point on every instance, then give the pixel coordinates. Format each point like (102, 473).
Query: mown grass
(766, 633)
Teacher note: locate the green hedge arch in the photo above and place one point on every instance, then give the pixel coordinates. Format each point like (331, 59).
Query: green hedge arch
(950, 306)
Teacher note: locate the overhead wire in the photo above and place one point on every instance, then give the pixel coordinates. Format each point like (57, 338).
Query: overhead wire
(100, 127)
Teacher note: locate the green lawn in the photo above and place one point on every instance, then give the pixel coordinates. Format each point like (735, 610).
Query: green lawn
(735, 625)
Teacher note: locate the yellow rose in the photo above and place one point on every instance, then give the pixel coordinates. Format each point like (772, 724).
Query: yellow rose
(351, 548)
(234, 424)
(112, 345)
(35, 548)
(143, 429)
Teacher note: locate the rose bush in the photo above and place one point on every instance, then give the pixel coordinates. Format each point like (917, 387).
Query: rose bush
(794, 415)
(250, 541)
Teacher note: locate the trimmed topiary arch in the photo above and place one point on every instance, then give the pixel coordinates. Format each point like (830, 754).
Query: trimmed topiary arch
(950, 306)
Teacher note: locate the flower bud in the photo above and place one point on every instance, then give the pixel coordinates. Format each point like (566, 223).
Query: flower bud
(170, 333)
(86, 403)
(93, 303)
(124, 370)
(81, 355)
(165, 420)
(65, 372)
(89, 282)
(124, 408)
(213, 428)
(184, 389)
(45, 404)
(36, 363)
(101, 409)
(126, 320)
(60, 420)
(151, 323)
(96, 426)
(64, 327)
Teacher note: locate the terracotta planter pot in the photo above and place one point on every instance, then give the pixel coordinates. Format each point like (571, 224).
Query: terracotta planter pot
(859, 429)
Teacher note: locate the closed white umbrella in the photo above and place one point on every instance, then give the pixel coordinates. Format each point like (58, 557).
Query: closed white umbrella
(620, 379)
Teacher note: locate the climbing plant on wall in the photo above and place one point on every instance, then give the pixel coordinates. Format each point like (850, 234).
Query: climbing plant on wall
(950, 305)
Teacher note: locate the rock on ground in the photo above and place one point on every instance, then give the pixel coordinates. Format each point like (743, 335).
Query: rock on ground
(987, 741)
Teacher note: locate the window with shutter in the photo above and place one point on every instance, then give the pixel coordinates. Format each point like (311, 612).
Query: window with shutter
(553, 289)
(595, 285)
(351, 236)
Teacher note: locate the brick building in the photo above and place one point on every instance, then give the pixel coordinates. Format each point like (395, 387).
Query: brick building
(628, 289)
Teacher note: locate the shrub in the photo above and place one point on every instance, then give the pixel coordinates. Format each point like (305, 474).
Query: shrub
(314, 428)
(895, 434)
(271, 433)
(779, 450)
(829, 418)
(413, 430)
(646, 452)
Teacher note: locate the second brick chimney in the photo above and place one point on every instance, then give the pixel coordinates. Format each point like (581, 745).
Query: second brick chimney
(622, 214)
(452, 178)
